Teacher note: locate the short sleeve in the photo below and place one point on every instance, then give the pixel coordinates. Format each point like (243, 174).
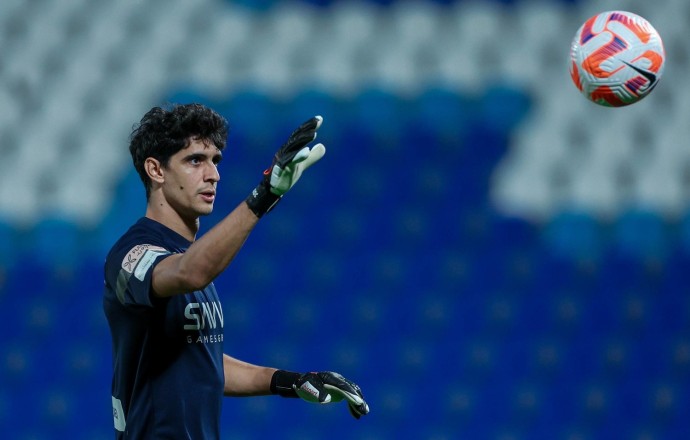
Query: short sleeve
(129, 274)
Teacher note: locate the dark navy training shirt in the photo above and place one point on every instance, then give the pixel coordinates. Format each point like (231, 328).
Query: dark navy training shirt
(167, 353)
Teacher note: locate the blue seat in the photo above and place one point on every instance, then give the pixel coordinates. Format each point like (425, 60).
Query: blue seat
(376, 119)
(413, 226)
(575, 235)
(255, 120)
(623, 272)
(81, 366)
(314, 101)
(27, 279)
(565, 312)
(346, 353)
(641, 234)
(434, 313)
(369, 314)
(504, 107)
(56, 407)
(18, 422)
(513, 233)
(671, 298)
(683, 237)
(128, 205)
(42, 317)
(10, 237)
(57, 241)
(19, 370)
(441, 119)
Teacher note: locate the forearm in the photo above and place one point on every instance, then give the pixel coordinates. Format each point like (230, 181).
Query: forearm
(207, 257)
(213, 252)
(244, 379)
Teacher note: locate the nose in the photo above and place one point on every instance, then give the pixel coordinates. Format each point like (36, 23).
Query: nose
(212, 174)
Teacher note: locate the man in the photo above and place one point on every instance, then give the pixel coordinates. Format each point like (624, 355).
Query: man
(165, 317)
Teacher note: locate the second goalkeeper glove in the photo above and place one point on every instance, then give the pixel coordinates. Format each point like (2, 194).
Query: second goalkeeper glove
(323, 387)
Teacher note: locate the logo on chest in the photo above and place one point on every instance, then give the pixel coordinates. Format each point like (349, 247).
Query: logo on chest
(203, 315)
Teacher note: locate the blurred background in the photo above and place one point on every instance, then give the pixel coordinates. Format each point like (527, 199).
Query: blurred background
(488, 254)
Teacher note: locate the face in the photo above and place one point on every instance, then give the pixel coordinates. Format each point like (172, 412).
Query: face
(191, 178)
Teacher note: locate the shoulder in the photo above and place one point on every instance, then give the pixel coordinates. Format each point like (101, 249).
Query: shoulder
(135, 248)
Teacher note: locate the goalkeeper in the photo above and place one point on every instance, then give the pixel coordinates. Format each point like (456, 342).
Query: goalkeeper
(169, 370)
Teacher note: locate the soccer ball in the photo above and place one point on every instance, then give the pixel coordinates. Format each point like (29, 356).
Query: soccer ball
(616, 58)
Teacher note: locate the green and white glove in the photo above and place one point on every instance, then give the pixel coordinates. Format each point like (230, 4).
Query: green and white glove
(323, 387)
(289, 162)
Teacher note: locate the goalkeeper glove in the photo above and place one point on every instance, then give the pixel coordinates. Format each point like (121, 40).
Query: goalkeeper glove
(323, 387)
(289, 162)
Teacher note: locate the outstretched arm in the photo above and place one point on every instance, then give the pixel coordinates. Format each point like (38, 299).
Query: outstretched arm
(244, 379)
(207, 257)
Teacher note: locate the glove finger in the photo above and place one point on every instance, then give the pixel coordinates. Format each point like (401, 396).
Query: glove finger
(301, 156)
(354, 412)
(339, 382)
(299, 138)
(350, 395)
(310, 124)
(341, 388)
(305, 133)
(355, 402)
(316, 153)
(277, 171)
(292, 147)
(359, 410)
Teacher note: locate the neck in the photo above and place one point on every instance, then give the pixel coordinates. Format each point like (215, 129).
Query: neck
(164, 214)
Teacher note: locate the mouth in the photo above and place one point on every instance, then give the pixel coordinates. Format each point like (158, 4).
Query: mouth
(208, 196)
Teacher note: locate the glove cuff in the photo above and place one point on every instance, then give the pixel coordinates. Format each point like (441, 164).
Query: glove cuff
(282, 381)
(261, 200)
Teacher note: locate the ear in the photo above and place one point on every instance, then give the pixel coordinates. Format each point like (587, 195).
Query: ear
(154, 170)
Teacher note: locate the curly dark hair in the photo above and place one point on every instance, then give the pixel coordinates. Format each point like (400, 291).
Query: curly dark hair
(162, 132)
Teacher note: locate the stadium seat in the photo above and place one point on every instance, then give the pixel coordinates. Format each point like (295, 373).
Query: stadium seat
(641, 234)
(575, 235)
